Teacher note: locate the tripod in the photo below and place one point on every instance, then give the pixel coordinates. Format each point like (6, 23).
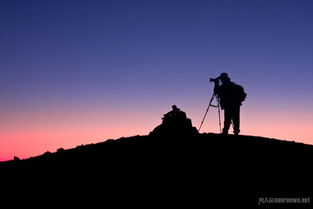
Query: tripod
(218, 110)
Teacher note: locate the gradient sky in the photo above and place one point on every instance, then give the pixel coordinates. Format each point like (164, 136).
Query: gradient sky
(77, 72)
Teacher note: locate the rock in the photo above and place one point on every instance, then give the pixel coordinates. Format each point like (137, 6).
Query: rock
(60, 150)
(47, 154)
(16, 158)
(175, 123)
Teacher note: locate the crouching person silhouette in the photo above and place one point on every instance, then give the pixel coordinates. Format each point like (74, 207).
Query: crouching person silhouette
(231, 96)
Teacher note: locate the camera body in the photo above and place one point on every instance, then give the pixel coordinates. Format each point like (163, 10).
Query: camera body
(215, 80)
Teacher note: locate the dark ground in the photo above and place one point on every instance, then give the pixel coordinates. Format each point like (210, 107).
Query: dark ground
(172, 167)
(169, 171)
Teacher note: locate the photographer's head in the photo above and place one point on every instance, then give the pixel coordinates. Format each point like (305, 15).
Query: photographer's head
(224, 78)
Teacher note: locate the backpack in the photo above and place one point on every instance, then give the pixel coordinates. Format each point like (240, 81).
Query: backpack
(240, 93)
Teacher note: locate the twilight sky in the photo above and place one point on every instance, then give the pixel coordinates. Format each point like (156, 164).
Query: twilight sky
(76, 72)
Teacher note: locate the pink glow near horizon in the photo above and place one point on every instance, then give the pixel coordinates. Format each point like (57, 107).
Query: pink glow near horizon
(279, 124)
(34, 133)
(285, 126)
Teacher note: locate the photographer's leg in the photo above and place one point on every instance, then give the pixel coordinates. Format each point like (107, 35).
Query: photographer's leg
(236, 120)
(227, 120)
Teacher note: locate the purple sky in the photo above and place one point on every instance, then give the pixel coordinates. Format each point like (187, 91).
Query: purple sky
(104, 67)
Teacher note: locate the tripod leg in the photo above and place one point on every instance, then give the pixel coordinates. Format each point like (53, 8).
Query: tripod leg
(206, 112)
(219, 113)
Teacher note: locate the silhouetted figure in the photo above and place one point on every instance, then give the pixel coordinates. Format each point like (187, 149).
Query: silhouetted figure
(231, 97)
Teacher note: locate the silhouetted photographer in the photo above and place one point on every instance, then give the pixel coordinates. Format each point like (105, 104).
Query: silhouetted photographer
(231, 96)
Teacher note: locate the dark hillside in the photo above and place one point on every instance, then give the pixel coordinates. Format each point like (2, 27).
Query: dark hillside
(173, 169)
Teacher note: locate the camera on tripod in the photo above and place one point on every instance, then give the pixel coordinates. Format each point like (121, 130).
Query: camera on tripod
(215, 80)
(214, 95)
